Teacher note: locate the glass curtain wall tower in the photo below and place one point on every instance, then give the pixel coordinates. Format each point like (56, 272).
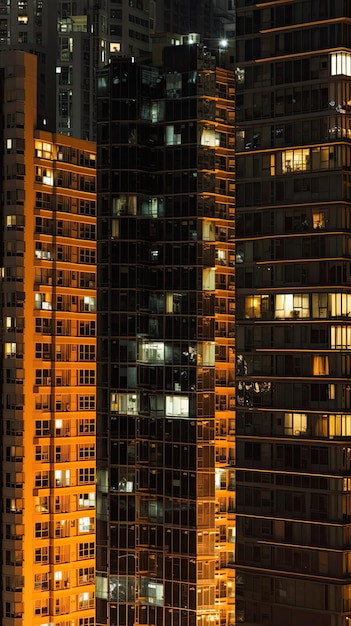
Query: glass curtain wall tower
(165, 384)
(293, 311)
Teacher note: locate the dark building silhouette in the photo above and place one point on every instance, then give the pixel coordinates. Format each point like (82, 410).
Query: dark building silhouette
(293, 313)
(213, 19)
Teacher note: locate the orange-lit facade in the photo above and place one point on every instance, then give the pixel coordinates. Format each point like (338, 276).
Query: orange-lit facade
(165, 408)
(224, 349)
(48, 364)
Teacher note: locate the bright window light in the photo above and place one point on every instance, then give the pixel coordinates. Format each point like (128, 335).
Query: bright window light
(177, 406)
(340, 63)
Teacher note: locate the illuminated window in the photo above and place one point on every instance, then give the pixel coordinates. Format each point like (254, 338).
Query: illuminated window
(10, 349)
(154, 254)
(126, 403)
(256, 306)
(44, 175)
(43, 149)
(230, 589)
(11, 221)
(101, 587)
(43, 251)
(177, 406)
(319, 221)
(62, 478)
(124, 205)
(340, 337)
(295, 160)
(339, 304)
(86, 524)
(208, 231)
(10, 323)
(153, 207)
(151, 591)
(206, 353)
(86, 500)
(114, 228)
(43, 301)
(340, 63)
(88, 304)
(125, 483)
(208, 137)
(58, 579)
(320, 365)
(172, 135)
(220, 479)
(85, 600)
(173, 302)
(339, 425)
(157, 112)
(115, 46)
(221, 256)
(292, 305)
(121, 589)
(152, 352)
(42, 504)
(272, 164)
(208, 279)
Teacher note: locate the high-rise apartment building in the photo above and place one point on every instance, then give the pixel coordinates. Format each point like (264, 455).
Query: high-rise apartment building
(165, 420)
(88, 34)
(72, 39)
(293, 310)
(30, 25)
(47, 289)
